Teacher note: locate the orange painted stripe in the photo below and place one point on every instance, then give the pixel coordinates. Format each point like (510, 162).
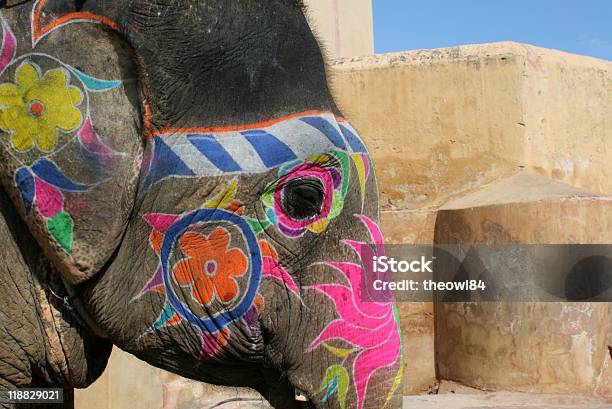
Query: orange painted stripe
(39, 31)
(148, 125)
(236, 128)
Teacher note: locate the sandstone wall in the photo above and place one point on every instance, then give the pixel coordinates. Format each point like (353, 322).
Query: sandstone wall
(344, 27)
(441, 123)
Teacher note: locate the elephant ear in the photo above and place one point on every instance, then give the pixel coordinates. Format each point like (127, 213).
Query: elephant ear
(70, 145)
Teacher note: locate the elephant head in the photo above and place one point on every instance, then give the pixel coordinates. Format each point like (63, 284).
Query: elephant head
(184, 166)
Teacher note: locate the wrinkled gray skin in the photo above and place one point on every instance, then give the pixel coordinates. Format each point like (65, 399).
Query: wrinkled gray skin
(199, 64)
(41, 344)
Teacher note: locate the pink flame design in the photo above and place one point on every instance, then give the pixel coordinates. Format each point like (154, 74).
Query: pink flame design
(272, 269)
(370, 327)
(160, 221)
(9, 45)
(213, 343)
(92, 142)
(49, 199)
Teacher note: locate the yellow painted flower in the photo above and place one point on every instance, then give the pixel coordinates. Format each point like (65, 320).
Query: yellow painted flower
(35, 108)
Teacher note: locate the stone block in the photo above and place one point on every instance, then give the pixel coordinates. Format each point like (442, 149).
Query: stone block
(528, 347)
(414, 226)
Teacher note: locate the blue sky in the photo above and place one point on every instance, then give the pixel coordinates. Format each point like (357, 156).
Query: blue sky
(577, 26)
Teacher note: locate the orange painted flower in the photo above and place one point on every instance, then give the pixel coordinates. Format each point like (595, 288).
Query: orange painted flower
(210, 266)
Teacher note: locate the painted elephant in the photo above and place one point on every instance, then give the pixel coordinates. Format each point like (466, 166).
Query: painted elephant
(178, 181)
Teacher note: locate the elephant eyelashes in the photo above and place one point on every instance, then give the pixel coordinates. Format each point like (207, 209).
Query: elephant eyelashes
(302, 199)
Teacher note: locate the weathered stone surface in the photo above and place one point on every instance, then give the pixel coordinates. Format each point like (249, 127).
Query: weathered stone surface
(502, 401)
(414, 226)
(344, 27)
(129, 383)
(530, 347)
(409, 226)
(418, 329)
(443, 122)
(451, 395)
(416, 319)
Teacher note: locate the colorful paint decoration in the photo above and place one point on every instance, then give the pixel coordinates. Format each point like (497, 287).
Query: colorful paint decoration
(37, 107)
(43, 185)
(293, 145)
(42, 113)
(370, 330)
(331, 170)
(256, 148)
(9, 46)
(210, 267)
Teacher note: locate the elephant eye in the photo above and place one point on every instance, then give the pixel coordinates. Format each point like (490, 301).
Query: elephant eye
(302, 198)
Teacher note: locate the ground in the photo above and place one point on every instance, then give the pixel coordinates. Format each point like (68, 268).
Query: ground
(503, 400)
(454, 396)
(450, 396)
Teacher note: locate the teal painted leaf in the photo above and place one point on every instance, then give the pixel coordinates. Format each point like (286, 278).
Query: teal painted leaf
(95, 84)
(167, 318)
(331, 388)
